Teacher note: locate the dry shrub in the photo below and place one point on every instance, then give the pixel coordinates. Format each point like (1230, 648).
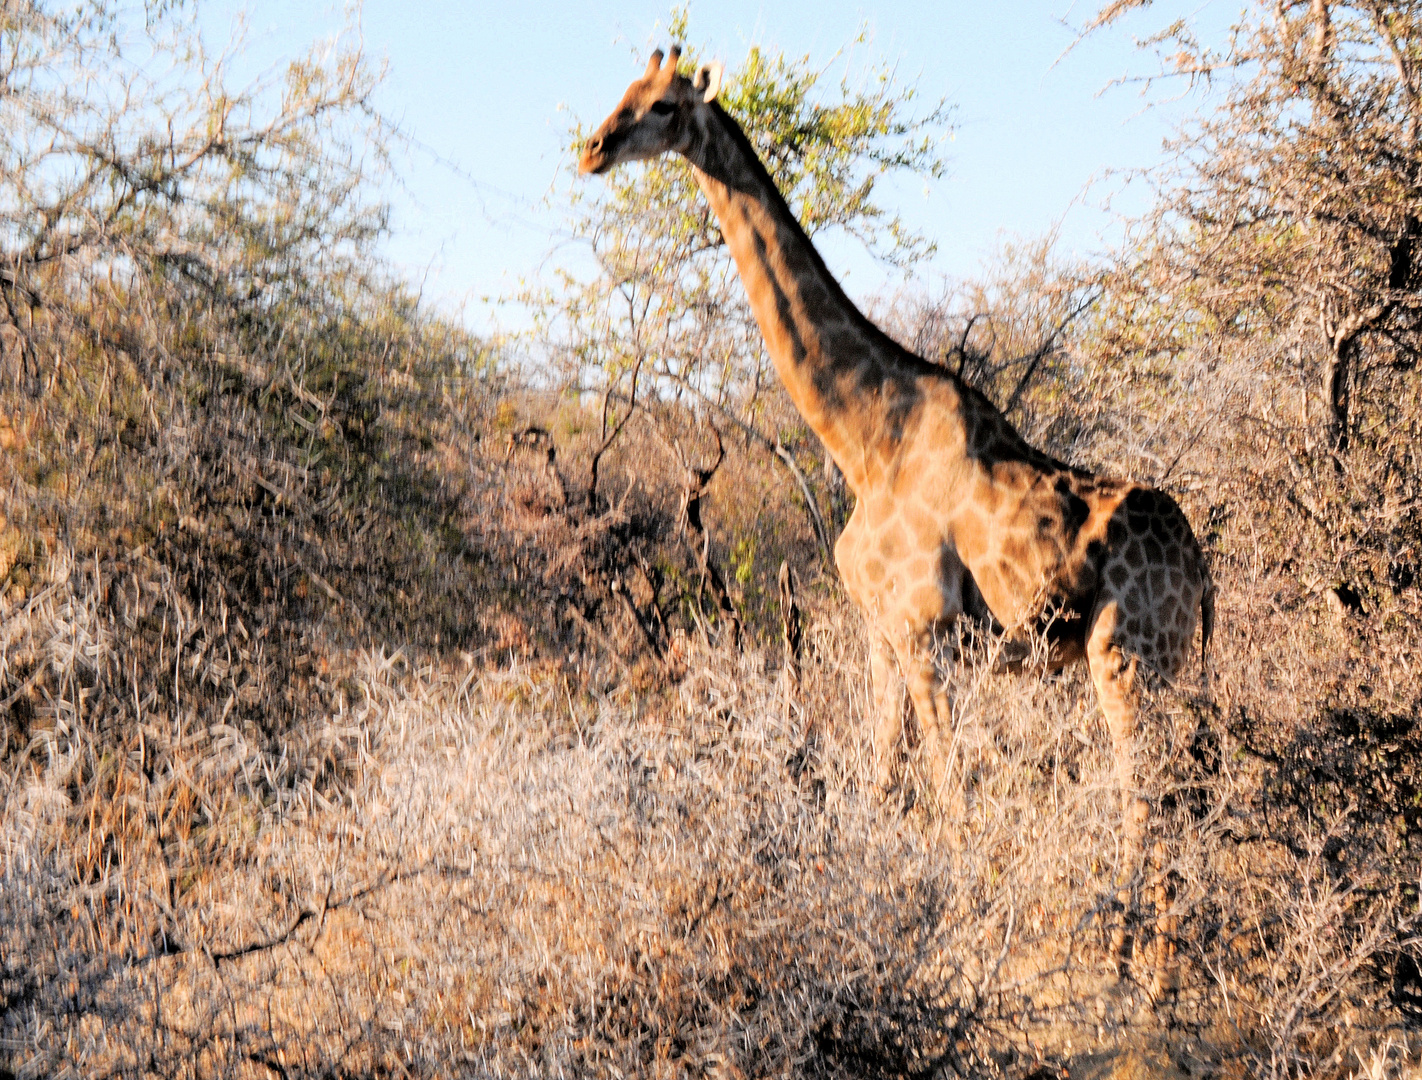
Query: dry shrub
(508, 871)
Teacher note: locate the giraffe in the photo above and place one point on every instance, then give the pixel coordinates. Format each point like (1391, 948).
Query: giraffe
(955, 513)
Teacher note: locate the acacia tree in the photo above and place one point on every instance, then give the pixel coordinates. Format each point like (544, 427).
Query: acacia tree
(1296, 206)
(665, 315)
(132, 172)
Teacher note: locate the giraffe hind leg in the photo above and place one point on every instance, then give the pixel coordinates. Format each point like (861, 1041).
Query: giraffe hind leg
(1114, 676)
(1164, 972)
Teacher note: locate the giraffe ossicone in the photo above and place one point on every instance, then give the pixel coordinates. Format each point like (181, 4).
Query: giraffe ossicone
(955, 512)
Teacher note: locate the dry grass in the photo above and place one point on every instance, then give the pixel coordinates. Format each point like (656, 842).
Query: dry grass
(503, 871)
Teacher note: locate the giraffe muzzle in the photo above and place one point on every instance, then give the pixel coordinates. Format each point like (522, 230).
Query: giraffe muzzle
(594, 158)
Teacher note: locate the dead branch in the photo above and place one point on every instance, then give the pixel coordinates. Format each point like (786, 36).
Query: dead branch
(812, 506)
(791, 636)
(608, 438)
(695, 481)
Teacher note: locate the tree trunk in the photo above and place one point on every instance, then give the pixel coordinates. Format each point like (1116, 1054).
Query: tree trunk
(1338, 388)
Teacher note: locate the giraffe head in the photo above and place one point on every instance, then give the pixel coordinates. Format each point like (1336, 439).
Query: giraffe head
(654, 116)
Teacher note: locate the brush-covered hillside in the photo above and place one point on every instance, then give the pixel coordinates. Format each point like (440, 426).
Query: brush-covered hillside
(377, 702)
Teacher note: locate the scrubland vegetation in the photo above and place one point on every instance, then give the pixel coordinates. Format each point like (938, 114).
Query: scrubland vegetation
(378, 702)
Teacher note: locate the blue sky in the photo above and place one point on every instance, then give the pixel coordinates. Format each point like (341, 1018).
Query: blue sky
(491, 89)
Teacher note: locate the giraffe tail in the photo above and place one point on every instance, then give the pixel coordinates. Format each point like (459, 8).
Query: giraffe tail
(1207, 623)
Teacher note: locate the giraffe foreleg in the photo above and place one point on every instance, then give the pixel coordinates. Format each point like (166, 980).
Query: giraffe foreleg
(929, 694)
(887, 689)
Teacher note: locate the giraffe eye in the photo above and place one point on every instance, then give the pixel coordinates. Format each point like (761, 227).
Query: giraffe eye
(663, 108)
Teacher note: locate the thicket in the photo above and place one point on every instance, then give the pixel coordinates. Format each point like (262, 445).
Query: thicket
(374, 703)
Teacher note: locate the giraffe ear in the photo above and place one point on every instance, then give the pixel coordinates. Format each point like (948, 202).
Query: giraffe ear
(654, 65)
(708, 79)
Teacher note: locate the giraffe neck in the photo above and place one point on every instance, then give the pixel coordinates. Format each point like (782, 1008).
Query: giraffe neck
(833, 361)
